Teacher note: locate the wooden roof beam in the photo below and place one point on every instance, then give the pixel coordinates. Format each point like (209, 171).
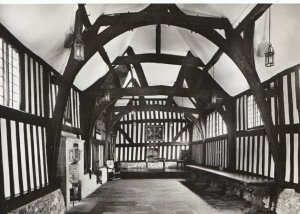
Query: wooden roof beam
(153, 108)
(106, 59)
(159, 58)
(138, 68)
(158, 39)
(142, 98)
(86, 22)
(179, 81)
(162, 18)
(93, 40)
(179, 133)
(158, 90)
(254, 14)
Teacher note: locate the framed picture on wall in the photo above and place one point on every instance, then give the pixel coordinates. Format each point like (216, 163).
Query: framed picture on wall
(154, 133)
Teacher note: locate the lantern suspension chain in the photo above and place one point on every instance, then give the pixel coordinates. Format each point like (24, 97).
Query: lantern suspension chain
(269, 25)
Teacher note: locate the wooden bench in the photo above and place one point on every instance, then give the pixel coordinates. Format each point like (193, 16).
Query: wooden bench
(257, 187)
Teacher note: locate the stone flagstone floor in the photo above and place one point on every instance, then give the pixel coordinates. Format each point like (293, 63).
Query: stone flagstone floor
(156, 196)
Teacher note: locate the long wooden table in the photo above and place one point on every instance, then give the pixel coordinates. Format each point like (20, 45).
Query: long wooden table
(258, 187)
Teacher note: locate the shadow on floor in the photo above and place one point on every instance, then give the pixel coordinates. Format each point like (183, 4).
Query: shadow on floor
(216, 198)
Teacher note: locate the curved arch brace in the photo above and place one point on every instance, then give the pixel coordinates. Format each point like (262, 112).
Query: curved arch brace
(232, 46)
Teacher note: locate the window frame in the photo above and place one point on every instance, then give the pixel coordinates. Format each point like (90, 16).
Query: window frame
(215, 125)
(255, 109)
(8, 74)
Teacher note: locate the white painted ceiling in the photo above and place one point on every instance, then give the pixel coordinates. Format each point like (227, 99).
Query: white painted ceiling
(42, 29)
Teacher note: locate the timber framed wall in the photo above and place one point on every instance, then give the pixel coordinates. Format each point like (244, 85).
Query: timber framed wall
(213, 150)
(23, 146)
(252, 154)
(131, 145)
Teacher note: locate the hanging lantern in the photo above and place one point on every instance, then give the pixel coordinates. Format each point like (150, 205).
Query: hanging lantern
(78, 48)
(269, 56)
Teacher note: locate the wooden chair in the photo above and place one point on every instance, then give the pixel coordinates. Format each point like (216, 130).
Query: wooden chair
(183, 158)
(152, 155)
(113, 170)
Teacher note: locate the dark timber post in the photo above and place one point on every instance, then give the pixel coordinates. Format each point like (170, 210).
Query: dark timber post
(237, 54)
(231, 129)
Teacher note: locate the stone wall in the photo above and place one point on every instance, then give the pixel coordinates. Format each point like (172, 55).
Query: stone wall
(51, 203)
(288, 201)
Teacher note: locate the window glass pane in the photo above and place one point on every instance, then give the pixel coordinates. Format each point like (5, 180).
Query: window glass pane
(215, 125)
(9, 75)
(254, 118)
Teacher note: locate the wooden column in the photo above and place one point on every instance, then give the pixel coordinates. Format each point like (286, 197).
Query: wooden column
(237, 54)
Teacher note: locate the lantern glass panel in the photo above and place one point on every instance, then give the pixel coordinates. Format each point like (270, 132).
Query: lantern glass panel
(269, 56)
(78, 49)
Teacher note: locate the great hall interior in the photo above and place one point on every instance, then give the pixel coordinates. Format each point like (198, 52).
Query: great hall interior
(149, 108)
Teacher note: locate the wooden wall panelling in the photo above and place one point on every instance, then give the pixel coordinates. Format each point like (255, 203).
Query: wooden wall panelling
(29, 103)
(46, 92)
(26, 145)
(45, 167)
(23, 152)
(18, 153)
(34, 79)
(2, 177)
(10, 159)
(38, 90)
(33, 154)
(22, 80)
(37, 152)
(285, 115)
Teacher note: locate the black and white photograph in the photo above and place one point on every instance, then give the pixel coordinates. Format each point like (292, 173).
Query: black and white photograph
(149, 107)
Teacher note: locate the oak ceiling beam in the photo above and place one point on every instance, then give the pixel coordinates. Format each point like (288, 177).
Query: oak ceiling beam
(161, 17)
(81, 19)
(140, 75)
(158, 39)
(138, 68)
(86, 22)
(179, 133)
(127, 109)
(159, 58)
(158, 90)
(153, 108)
(84, 17)
(142, 98)
(155, 121)
(179, 81)
(254, 14)
(93, 41)
(106, 59)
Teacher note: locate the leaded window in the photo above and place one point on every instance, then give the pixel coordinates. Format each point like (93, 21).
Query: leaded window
(9, 76)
